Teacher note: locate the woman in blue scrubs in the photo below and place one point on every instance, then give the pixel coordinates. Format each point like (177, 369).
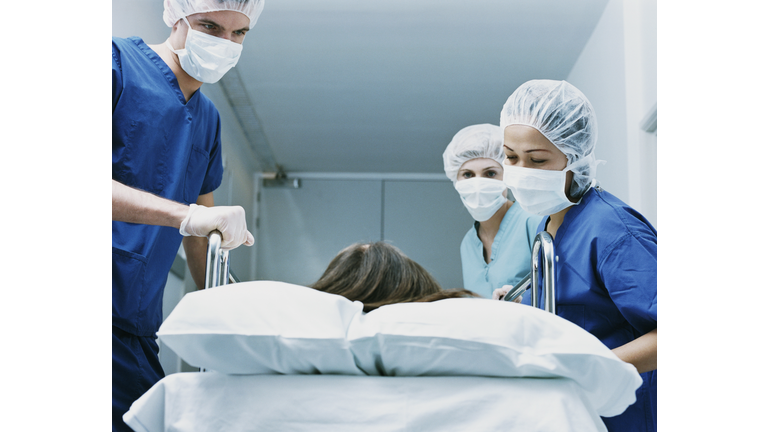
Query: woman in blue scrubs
(496, 251)
(605, 250)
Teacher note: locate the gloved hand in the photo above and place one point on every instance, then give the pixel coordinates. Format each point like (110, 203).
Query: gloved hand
(229, 220)
(499, 293)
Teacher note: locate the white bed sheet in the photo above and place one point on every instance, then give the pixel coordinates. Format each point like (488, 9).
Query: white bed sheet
(211, 401)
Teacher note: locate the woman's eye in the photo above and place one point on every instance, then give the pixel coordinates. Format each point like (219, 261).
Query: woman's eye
(538, 161)
(491, 174)
(467, 175)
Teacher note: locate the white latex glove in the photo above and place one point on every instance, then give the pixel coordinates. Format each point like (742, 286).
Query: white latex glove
(229, 220)
(499, 293)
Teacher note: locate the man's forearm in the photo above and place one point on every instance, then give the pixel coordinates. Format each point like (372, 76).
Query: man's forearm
(137, 206)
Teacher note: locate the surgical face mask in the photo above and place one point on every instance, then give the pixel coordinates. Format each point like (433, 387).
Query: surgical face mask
(481, 196)
(538, 191)
(207, 58)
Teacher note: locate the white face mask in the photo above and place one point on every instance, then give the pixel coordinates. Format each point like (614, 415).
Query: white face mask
(207, 58)
(538, 191)
(481, 196)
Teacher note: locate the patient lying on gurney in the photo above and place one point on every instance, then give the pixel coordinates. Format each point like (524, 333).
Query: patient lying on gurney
(378, 274)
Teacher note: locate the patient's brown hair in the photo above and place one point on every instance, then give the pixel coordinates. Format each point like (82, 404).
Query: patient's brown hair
(378, 274)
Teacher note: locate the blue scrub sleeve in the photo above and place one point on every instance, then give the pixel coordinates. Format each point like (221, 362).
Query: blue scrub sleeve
(117, 76)
(629, 274)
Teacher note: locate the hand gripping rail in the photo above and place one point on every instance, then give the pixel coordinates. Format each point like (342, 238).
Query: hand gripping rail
(519, 288)
(216, 262)
(542, 245)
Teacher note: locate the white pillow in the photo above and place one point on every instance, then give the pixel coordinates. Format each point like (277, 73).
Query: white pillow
(481, 337)
(266, 327)
(263, 327)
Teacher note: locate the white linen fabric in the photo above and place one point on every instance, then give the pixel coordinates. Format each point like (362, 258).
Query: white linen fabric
(482, 337)
(333, 403)
(267, 327)
(263, 327)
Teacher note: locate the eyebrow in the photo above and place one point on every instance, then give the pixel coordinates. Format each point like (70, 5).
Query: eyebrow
(528, 151)
(211, 22)
(484, 169)
(208, 21)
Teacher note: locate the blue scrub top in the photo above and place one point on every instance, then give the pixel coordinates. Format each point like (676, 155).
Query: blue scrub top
(164, 145)
(510, 253)
(605, 282)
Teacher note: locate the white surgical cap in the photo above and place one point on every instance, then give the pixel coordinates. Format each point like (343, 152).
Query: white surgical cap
(565, 117)
(178, 9)
(473, 142)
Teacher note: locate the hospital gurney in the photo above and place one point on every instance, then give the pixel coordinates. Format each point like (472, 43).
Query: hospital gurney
(542, 257)
(405, 367)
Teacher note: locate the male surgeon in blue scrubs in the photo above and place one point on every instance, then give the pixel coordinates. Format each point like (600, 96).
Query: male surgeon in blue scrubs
(166, 163)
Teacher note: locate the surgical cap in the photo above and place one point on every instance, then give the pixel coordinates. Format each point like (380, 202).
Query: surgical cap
(473, 142)
(178, 9)
(565, 117)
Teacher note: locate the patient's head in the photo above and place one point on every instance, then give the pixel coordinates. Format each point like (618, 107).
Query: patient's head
(378, 274)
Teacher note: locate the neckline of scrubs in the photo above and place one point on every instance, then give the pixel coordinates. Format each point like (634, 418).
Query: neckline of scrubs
(166, 71)
(570, 216)
(503, 226)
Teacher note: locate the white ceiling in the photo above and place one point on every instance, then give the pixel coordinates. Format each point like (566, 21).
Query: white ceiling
(364, 86)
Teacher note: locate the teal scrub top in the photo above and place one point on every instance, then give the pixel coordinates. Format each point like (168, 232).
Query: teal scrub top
(510, 253)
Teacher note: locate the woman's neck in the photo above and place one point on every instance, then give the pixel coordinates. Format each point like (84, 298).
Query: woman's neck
(556, 220)
(490, 227)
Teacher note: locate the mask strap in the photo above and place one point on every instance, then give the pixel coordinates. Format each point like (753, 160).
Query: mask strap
(168, 43)
(170, 47)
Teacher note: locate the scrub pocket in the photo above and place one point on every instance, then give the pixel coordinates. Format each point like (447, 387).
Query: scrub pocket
(196, 169)
(128, 288)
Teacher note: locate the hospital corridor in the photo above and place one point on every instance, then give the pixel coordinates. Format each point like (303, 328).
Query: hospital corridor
(424, 215)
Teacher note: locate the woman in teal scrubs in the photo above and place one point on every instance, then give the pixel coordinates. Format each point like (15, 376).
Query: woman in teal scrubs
(496, 251)
(605, 269)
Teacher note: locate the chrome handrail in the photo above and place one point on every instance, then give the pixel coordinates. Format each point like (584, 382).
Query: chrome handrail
(519, 288)
(216, 262)
(543, 244)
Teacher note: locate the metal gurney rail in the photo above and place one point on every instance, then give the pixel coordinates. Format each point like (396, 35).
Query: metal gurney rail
(217, 263)
(543, 245)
